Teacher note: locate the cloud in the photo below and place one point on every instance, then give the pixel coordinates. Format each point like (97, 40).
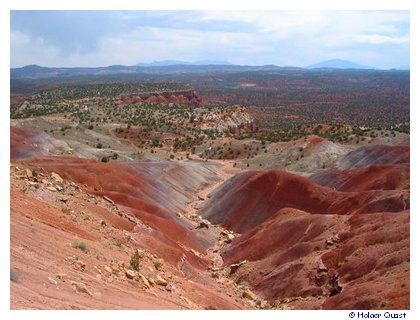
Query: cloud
(26, 50)
(92, 38)
(381, 39)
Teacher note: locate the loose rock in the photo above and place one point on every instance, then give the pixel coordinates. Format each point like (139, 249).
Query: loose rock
(52, 281)
(79, 265)
(108, 269)
(61, 276)
(151, 281)
(145, 281)
(130, 274)
(29, 173)
(80, 287)
(57, 177)
(108, 199)
(203, 224)
(248, 294)
(235, 267)
(170, 288)
(322, 267)
(160, 281)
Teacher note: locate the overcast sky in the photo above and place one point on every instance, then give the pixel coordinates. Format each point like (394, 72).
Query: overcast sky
(100, 38)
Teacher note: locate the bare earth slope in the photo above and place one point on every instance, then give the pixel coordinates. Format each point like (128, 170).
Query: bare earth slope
(344, 245)
(28, 143)
(324, 261)
(76, 223)
(375, 154)
(252, 197)
(375, 177)
(113, 209)
(72, 250)
(377, 167)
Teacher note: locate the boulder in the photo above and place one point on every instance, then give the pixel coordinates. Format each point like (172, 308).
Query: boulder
(108, 269)
(29, 173)
(235, 267)
(203, 224)
(109, 200)
(248, 294)
(161, 281)
(145, 281)
(57, 177)
(130, 274)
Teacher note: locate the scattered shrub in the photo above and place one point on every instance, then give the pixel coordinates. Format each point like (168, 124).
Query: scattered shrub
(80, 245)
(135, 261)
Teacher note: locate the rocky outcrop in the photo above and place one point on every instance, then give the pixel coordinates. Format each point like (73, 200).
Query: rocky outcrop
(235, 120)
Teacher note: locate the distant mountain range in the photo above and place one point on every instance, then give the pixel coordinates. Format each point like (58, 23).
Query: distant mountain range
(338, 64)
(38, 72)
(170, 67)
(185, 63)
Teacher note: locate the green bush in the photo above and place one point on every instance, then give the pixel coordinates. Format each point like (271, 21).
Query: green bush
(158, 264)
(135, 261)
(80, 245)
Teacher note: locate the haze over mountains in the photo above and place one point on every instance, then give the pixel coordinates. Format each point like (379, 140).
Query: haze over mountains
(338, 64)
(179, 62)
(174, 67)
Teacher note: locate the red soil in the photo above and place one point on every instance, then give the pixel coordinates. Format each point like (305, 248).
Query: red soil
(252, 197)
(368, 257)
(41, 238)
(131, 186)
(26, 143)
(372, 263)
(45, 213)
(283, 253)
(375, 177)
(344, 245)
(40, 243)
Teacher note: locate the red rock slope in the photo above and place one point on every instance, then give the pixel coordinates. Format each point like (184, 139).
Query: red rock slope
(375, 177)
(375, 154)
(72, 250)
(340, 246)
(252, 197)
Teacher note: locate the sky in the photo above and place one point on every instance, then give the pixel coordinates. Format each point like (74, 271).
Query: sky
(379, 39)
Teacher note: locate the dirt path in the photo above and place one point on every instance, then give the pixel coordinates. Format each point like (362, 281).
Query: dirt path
(225, 172)
(218, 271)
